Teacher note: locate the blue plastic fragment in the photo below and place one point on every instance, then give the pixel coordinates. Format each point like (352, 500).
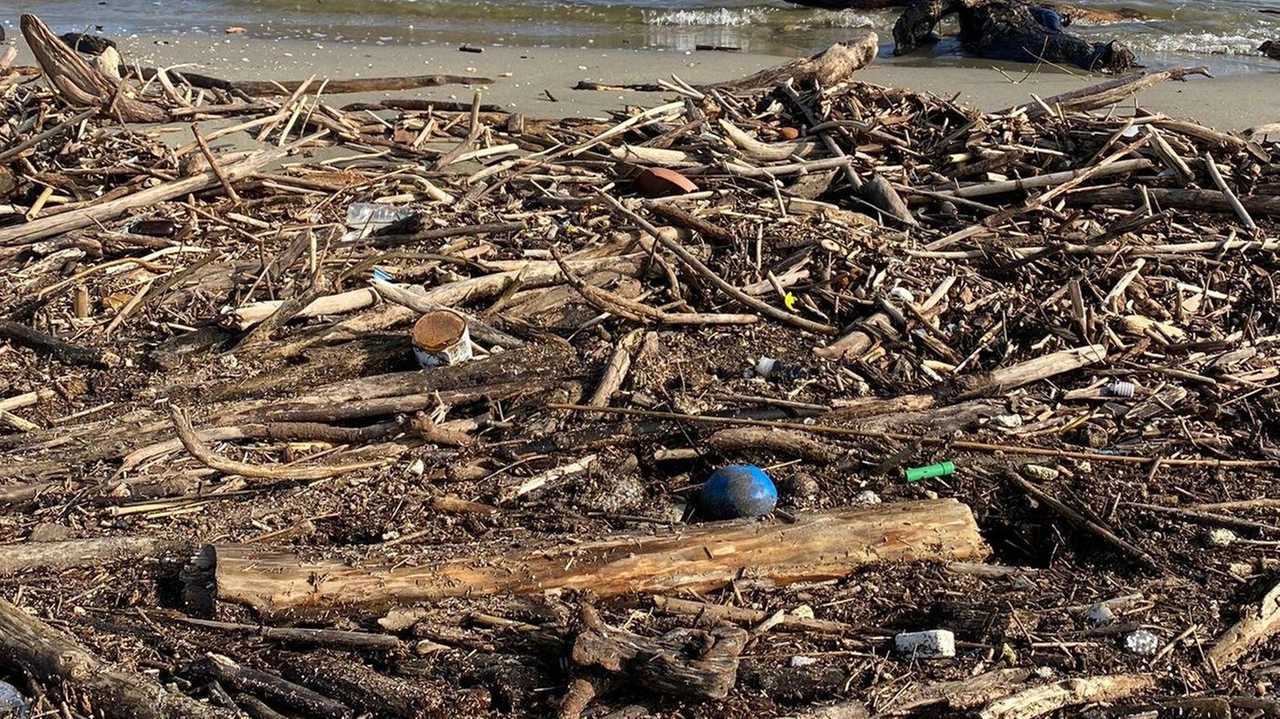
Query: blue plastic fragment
(381, 274)
(736, 491)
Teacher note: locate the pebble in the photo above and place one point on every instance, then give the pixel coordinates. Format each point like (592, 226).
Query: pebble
(737, 491)
(931, 644)
(1100, 615)
(1141, 642)
(802, 484)
(416, 467)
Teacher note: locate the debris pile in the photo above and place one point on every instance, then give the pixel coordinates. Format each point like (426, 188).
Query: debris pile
(231, 489)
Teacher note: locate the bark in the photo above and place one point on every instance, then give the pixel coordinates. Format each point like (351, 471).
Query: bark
(79, 83)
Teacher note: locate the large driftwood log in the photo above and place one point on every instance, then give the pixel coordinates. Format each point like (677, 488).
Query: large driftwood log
(52, 658)
(78, 82)
(283, 585)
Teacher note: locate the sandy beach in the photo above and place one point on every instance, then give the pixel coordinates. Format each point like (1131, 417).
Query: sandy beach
(538, 82)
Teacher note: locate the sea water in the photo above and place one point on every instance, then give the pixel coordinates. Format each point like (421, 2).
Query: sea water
(1224, 33)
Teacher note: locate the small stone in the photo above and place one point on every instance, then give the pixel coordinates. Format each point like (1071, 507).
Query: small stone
(931, 644)
(416, 467)
(800, 661)
(804, 611)
(1040, 472)
(1100, 615)
(866, 498)
(1220, 537)
(803, 485)
(1142, 643)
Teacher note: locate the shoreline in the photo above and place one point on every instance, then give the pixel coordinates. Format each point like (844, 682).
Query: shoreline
(527, 79)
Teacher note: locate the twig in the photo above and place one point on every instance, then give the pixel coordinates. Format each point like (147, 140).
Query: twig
(697, 266)
(1080, 520)
(228, 466)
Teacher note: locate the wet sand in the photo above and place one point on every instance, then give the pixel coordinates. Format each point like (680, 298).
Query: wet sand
(527, 79)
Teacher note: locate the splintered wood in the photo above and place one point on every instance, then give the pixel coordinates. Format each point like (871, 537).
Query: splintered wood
(1069, 318)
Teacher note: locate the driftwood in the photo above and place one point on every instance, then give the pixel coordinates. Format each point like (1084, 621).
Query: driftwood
(268, 88)
(1258, 624)
(684, 662)
(282, 585)
(1014, 30)
(51, 657)
(69, 554)
(78, 82)
(1037, 701)
(1107, 93)
(831, 66)
(273, 688)
(1196, 200)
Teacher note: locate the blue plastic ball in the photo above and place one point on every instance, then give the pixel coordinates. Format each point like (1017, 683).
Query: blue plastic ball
(736, 491)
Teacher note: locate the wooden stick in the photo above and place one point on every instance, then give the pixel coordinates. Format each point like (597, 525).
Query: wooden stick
(214, 166)
(1257, 625)
(1205, 200)
(827, 545)
(1230, 196)
(1041, 700)
(1107, 93)
(276, 689)
(51, 657)
(726, 613)
(62, 351)
(229, 466)
(1083, 522)
(335, 638)
(1049, 180)
(615, 373)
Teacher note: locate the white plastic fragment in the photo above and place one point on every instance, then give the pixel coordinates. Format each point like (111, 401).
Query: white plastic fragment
(1141, 642)
(931, 644)
(866, 498)
(1100, 615)
(802, 661)
(1121, 389)
(1040, 472)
